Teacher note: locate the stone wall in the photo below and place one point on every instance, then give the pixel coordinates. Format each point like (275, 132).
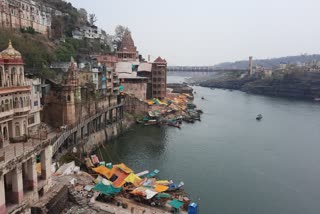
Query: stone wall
(134, 106)
(137, 89)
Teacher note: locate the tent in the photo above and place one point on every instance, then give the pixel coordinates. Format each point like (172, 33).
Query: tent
(176, 204)
(102, 170)
(134, 179)
(107, 190)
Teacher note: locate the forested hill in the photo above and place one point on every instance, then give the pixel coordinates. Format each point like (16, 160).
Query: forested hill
(269, 63)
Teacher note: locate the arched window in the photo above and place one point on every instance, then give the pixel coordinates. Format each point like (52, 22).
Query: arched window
(2, 106)
(13, 74)
(6, 106)
(10, 106)
(69, 98)
(5, 133)
(17, 125)
(1, 73)
(25, 127)
(21, 77)
(16, 103)
(21, 102)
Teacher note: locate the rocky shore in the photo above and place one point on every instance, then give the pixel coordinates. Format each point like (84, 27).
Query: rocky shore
(302, 85)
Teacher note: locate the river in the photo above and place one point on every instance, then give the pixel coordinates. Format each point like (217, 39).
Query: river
(230, 162)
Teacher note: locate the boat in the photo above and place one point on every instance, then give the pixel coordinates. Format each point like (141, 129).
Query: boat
(139, 121)
(317, 99)
(152, 174)
(151, 122)
(202, 98)
(174, 125)
(174, 187)
(199, 111)
(259, 117)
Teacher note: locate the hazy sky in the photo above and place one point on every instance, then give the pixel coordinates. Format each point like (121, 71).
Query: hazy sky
(206, 32)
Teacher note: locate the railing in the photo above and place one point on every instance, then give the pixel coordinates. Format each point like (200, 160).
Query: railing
(59, 139)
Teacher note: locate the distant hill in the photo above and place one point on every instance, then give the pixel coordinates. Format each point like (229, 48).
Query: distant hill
(269, 63)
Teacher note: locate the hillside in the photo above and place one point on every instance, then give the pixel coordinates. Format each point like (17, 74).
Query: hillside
(269, 63)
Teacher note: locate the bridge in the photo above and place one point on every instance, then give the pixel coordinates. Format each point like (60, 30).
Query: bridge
(199, 69)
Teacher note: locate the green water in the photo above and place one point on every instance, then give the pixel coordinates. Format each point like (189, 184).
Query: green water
(232, 162)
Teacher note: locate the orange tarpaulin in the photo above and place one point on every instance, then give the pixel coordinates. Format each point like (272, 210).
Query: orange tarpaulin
(102, 170)
(161, 188)
(121, 178)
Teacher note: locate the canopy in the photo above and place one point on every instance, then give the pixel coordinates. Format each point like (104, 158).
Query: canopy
(145, 192)
(163, 195)
(121, 176)
(124, 168)
(102, 170)
(161, 188)
(134, 179)
(106, 190)
(175, 203)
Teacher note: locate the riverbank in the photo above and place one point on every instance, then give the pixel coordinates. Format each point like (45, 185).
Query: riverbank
(302, 85)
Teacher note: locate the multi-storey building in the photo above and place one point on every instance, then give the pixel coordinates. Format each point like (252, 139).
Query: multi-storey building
(159, 78)
(16, 14)
(34, 119)
(15, 99)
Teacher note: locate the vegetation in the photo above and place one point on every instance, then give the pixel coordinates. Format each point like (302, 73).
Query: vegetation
(35, 49)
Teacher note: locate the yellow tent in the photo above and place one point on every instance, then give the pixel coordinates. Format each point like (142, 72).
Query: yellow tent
(102, 170)
(161, 188)
(134, 179)
(124, 168)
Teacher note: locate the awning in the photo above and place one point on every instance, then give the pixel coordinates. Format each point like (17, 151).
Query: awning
(107, 190)
(176, 204)
(102, 170)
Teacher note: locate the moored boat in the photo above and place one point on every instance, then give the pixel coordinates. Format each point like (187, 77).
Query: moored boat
(259, 117)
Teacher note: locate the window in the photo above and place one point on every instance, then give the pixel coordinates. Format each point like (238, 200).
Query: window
(17, 125)
(5, 133)
(31, 119)
(35, 103)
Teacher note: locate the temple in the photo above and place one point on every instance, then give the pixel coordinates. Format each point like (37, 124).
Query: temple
(127, 51)
(14, 97)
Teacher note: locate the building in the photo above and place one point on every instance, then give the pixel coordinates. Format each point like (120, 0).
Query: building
(34, 119)
(18, 14)
(15, 99)
(159, 78)
(131, 82)
(127, 51)
(93, 32)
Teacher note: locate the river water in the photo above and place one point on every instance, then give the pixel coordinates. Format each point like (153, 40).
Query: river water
(230, 162)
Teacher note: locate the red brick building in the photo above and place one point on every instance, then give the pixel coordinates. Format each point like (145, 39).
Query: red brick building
(159, 78)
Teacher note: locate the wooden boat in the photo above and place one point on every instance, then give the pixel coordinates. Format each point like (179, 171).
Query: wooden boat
(317, 99)
(199, 111)
(174, 187)
(259, 117)
(151, 123)
(174, 125)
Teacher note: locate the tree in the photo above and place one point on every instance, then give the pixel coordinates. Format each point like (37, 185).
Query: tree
(83, 15)
(119, 33)
(92, 19)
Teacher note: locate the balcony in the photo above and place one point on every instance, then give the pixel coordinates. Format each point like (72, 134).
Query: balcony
(22, 109)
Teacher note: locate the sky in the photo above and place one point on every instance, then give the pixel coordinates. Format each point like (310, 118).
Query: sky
(207, 32)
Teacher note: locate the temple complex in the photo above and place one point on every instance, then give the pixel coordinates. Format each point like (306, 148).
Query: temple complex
(14, 97)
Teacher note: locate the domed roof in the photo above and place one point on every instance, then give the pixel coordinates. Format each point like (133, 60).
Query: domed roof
(10, 53)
